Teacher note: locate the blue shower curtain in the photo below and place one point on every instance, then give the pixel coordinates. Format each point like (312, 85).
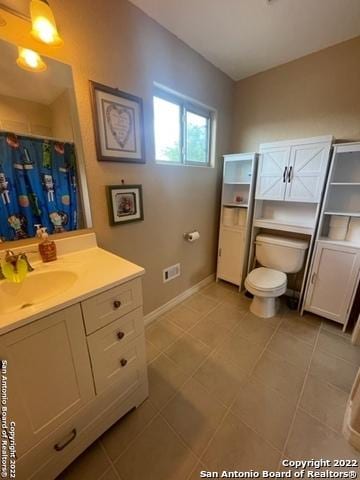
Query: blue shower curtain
(37, 186)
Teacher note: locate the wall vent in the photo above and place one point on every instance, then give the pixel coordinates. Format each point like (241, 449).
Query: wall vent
(171, 272)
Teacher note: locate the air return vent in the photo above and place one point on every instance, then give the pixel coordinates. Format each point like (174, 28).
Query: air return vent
(171, 272)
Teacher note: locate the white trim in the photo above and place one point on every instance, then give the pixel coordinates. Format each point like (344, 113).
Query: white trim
(150, 317)
(346, 147)
(298, 141)
(165, 89)
(186, 102)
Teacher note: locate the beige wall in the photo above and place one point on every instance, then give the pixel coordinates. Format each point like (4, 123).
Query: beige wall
(317, 94)
(114, 43)
(24, 116)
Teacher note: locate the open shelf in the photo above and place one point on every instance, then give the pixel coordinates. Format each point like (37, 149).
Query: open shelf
(236, 183)
(348, 184)
(342, 243)
(346, 214)
(237, 205)
(347, 167)
(238, 172)
(285, 227)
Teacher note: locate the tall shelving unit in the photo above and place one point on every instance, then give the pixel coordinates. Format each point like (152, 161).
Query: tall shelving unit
(335, 268)
(239, 177)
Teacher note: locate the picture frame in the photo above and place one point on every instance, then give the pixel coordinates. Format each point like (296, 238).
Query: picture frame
(125, 204)
(118, 125)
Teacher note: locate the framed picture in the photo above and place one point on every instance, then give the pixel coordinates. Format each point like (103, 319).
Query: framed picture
(118, 122)
(125, 203)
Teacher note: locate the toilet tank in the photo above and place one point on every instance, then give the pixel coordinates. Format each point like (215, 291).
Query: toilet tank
(280, 253)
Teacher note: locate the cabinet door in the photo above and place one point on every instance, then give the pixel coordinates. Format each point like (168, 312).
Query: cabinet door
(49, 374)
(333, 281)
(271, 178)
(307, 170)
(231, 255)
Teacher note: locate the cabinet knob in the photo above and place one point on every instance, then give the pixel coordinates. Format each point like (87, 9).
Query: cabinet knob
(117, 304)
(123, 362)
(120, 335)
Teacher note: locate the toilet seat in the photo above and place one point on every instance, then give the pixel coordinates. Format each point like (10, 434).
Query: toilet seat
(266, 280)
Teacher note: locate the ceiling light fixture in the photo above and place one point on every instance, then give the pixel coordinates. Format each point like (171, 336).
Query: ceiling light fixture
(43, 23)
(30, 60)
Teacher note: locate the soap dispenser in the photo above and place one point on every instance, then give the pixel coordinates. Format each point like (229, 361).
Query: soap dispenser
(47, 248)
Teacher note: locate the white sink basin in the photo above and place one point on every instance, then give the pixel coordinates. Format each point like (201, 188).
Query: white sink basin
(35, 289)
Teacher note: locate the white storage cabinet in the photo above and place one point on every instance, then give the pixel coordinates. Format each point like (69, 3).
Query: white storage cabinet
(236, 216)
(294, 173)
(335, 269)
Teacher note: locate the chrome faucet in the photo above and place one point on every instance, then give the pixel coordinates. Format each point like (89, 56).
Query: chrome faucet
(12, 258)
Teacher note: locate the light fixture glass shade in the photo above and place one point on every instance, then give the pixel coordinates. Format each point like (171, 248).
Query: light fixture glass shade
(43, 23)
(30, 60)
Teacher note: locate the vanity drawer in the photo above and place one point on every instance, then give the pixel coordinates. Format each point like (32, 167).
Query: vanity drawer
(106, 307)
(118, 333)
(114, 362)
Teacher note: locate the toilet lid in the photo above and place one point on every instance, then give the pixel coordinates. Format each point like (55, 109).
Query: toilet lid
(266, 279)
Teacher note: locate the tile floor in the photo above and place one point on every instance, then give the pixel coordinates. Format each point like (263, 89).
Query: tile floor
(230, 391)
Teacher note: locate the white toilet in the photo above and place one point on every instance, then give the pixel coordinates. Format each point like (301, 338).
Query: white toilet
(278, 256)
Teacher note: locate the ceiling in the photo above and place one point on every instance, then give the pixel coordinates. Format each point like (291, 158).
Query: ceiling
(42, 87)
(244, 37)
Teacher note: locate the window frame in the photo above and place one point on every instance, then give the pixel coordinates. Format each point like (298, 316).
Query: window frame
(185, 105)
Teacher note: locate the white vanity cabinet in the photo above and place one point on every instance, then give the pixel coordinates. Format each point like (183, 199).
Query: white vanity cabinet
(49, 374)
(72, 374)
(333, 281)
(293, 171)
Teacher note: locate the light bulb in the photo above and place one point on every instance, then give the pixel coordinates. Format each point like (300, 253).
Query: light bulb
(30, 60)
(43, 23)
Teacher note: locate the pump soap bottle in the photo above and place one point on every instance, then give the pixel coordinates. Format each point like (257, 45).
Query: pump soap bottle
(47, 248)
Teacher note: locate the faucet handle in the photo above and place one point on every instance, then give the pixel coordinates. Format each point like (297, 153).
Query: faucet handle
(10, 257)
(24, 257)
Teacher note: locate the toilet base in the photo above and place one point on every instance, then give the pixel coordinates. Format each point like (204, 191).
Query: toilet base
(264, 307)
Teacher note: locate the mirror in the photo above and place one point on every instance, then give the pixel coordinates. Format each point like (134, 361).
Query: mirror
(42, 174)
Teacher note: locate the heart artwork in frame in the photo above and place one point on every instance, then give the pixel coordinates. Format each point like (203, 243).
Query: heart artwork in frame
(118, 121)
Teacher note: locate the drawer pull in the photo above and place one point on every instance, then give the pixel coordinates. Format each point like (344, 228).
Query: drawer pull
(120, 335)
(58, 447)
(117, 304)
(123, 362)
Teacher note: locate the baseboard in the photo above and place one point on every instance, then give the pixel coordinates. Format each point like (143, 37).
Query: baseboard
(150, 317)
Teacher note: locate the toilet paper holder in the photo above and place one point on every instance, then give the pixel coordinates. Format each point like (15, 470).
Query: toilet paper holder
(192, 236)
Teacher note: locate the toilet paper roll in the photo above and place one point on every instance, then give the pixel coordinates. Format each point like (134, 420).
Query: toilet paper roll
(192, 236)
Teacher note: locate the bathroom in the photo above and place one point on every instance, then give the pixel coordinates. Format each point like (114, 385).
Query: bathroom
(153, 347)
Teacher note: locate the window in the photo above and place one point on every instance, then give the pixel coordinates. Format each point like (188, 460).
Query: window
(182, 130)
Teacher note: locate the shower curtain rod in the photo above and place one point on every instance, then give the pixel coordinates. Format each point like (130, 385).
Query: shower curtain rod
(37, 137)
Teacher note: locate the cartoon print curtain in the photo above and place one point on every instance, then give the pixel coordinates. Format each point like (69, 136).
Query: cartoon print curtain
(37, 186)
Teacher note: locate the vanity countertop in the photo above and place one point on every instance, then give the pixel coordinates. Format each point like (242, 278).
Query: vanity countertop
(94, 269)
